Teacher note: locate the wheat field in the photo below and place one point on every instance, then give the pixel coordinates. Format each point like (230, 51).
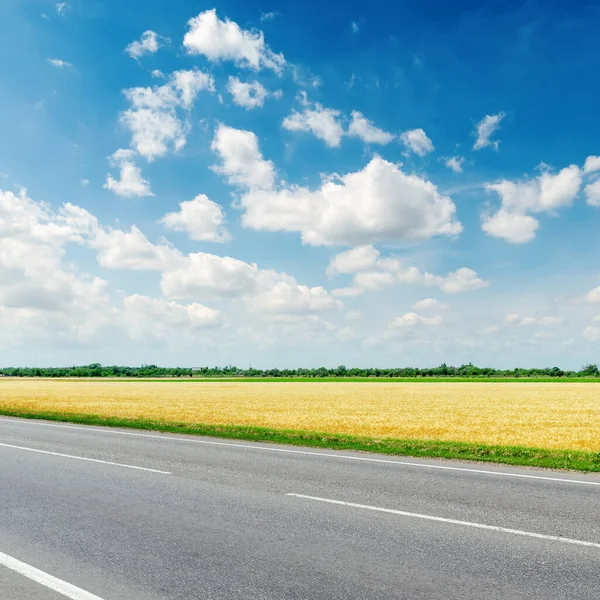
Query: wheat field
(545, 415)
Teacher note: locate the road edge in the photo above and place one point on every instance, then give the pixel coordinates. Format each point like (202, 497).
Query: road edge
(571, 460)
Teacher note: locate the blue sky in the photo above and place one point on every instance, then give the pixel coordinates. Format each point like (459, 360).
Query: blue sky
(299, 183)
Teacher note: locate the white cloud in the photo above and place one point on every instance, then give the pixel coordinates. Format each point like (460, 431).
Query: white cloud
(225, 40)
(361, 258)
(353, 315)
(85, 182)
(484, 130)
(364, 129)
(347, 292)
(153, 119)
(459, 281)
(249, 95)
(375, 273)
(592, 193)
(201, 218)
(149, 43)
(61, 8)
(417, 141)
(158, 74)
(322, 122)
(375, 280)
(591, 333)
(592, 164)
(455, 163)
(130, 183)
(379, 203)
(42, 297)
(545, 193)
(593, 296)
(287, 297)
(60, 64)
(268, 16)
(131, 249)
(429, 304)
(243, 163)
(203, 275)
(519, 321)
(513, 227)
(354, 26)
(162, 319)
(411, 320)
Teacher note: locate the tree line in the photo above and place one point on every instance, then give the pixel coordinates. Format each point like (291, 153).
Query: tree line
(146, 371)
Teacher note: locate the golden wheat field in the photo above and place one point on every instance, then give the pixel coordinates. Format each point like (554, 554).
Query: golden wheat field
(546, 415)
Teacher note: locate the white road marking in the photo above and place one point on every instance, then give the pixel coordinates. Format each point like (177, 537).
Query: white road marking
(402, 513)
(53, 583)
(96, 460)
(172, 438)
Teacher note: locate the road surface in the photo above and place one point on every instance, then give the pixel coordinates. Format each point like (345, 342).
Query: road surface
(90, 513)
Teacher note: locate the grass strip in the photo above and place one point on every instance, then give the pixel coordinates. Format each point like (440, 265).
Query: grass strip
(321, 379)
(577, 460)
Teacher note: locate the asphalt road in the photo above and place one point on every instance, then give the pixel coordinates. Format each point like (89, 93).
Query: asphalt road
(201, 518)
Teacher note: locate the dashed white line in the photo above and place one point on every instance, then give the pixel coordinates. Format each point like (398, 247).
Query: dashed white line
(405, 463)
(95, 460)
(402, 513)
(53, 583)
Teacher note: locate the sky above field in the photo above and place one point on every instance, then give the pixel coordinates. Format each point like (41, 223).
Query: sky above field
(299, 183)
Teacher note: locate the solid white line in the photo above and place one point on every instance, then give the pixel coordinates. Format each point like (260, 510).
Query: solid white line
(96, 460)
(172, 438)
(402, 513)
(58, 585)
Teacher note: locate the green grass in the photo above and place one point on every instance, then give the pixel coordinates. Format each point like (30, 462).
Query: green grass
(335, 379)
(511, 455)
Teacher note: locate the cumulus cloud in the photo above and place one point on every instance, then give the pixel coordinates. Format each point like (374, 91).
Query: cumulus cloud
(290, 298)
(201, 218)
(375, 273)
(158, 318)
(149, 43)
(545, 193)
(429, 304)
(520, 321)
(411, 320)
(485, 129)
(361, 258)
(592, 193)
(378, 203)
(248, 95)
(512, 227)
(455, 163)
(347, 292)
(130, 183)
(592, 164)
(60, 64)
(364, 129)
(225, 40)
(456, 282)
(118, 249)
(202, 275)
(242, 161)
(323, 123)
(41, 295)
(593, 296)
(153, 120)
(417, 141)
